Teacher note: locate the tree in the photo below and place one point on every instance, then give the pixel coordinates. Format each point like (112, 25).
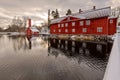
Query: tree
(69, 12)
(55, 14)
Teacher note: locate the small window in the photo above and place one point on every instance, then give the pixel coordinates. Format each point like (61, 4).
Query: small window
(73, 23)
(62, 25)
(111, 21)
(81, 23)
(54, 30)
(73, 30)
(87, 22)
(66, 24)
(99, 29)
(59, 30)
(66, 30)
(58, 25)
(84, 29)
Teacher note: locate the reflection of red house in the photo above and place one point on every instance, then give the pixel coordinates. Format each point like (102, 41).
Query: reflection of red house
(95, 21)
(31, 30)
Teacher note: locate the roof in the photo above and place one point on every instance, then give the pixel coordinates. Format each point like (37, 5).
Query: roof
(34, 29)
(88, 14)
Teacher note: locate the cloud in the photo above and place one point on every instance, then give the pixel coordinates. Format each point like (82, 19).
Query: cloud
(37, 9)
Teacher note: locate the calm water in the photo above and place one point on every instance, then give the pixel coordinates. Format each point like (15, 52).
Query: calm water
(37, 58)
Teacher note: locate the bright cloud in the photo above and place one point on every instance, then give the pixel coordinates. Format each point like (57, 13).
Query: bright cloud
(37, 9)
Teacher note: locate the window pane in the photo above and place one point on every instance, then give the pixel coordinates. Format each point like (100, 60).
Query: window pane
(73, 23)
(87, 22)
(111, 21)
(58, 25)
(73, 30)
(66, 24)
(62, 25)
(59, 30)
(99, 29)
(66, 30)
(81, 23)
(84, 29)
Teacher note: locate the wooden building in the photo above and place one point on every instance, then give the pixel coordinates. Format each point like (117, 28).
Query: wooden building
(31, 30)
(93, 22)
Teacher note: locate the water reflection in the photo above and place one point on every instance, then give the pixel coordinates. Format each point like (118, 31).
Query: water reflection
(37, 58)
(97, 49)
(27, 42)
(93, 55)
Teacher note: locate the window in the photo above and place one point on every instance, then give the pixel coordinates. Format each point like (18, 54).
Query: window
(81, 23)
(73, 23)
(66, 24)
(62, 25)
(87, 22)
(99, 29)
(54, 30)
(84, 29)
(59, 30)
(73, 30)
(58, 25)
(111, 21)
(66, 30)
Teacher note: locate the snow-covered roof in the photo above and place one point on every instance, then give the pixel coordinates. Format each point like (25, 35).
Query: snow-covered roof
(95, 13)
(34, 29)
(88, 14)
(58, 19)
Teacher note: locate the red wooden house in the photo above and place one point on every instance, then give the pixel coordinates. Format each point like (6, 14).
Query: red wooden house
(31, 30)
(94, 21)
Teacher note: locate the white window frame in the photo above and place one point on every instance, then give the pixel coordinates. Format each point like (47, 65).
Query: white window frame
(66, 24)
(54, 30)
(111, 21)
(62, 25)
(59, 30)
(66, 30)
(73, 30)
(58, 25)
(99, 29)
(73, 23)
(81, 23)
(84, 30)
(88, 22)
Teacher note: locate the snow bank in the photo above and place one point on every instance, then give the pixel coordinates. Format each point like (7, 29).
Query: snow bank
(113, 67)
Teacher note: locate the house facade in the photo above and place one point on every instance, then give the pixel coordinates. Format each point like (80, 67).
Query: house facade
(93, 22)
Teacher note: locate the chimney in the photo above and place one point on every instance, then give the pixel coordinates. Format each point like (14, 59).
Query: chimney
(29, 22)
(80, 10)
(94, 7)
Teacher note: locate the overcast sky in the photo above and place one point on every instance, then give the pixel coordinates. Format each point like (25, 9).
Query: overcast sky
(37, 9)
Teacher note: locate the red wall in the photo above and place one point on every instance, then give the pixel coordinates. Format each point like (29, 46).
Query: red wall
(112, 28)
(107, 28)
